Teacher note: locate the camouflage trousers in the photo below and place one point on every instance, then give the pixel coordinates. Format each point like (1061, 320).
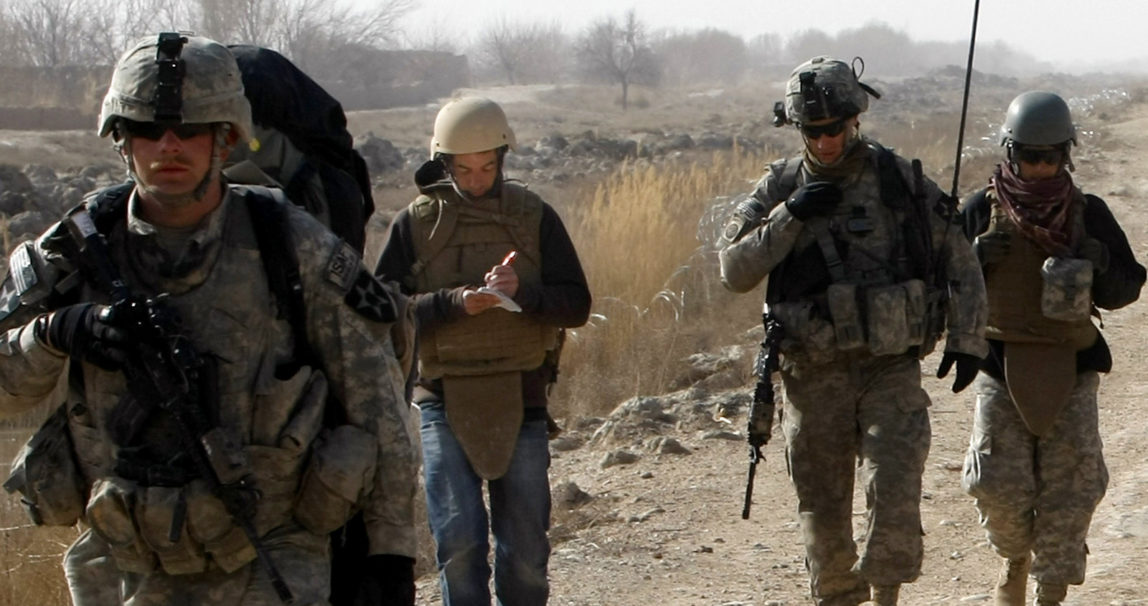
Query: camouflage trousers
(1037, 494)
(862, 412)
(301, 557)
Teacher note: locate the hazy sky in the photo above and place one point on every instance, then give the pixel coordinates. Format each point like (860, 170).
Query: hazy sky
(1070, 33)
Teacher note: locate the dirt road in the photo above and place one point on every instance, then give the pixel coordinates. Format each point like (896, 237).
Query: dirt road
(667, 529)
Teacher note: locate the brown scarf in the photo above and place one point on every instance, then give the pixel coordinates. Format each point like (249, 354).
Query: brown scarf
(1042, 210)
(854, 161)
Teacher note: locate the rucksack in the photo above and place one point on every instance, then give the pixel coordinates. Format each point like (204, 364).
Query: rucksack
(330, 179)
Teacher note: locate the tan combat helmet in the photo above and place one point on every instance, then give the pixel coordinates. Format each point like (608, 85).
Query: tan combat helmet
(822, 88)
(178, 78)
(470, 125)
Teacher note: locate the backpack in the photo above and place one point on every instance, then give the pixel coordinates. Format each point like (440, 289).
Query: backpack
(296, 119)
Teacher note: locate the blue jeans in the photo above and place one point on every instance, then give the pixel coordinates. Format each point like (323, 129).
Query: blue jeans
(519, 517)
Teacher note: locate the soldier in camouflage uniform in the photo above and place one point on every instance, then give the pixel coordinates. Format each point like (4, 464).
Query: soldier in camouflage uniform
(1051, 255)
(864, 267)
(156, 532)
(493, 276)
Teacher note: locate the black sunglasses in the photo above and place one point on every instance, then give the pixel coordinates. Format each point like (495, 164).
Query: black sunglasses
(154, 131)
(1029, 155)
(831, 129)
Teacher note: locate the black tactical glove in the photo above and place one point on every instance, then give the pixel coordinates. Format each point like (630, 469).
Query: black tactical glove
(747, 215)
(388, 580)
(85, 331)
(991, 248)
(967, 367)
(1095, 251)
(813, 200)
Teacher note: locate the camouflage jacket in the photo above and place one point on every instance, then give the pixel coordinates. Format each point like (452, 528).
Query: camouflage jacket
(219, 288)
(781, 237)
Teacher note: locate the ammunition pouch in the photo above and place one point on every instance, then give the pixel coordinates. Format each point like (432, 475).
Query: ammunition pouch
(47, 476)
(1066, 293)
(338, 479)
(896, 317)
(110, 512)
(161, 515)
(883, 320)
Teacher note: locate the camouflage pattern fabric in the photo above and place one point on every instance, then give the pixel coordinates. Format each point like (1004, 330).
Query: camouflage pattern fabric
(867, 408)
(1037, 494)
(841, 407)
(219, 288)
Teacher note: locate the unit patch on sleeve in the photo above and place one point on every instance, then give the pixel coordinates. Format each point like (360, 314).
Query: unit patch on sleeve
(370, 299)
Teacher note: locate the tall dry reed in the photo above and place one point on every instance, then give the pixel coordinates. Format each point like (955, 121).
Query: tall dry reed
(646, 237)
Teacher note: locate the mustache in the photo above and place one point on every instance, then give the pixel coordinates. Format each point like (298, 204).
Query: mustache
(172, 162)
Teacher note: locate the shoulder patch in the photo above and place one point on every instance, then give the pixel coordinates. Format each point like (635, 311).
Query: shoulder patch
(370, 298)
(342, 266)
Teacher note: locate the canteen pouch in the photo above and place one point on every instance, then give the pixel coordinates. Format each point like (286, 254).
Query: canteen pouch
(109, 512)
(847, 325)
(1066, 294)
(47, 476)
(341, 471)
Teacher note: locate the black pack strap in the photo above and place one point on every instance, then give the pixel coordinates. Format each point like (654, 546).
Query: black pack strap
(268, 208)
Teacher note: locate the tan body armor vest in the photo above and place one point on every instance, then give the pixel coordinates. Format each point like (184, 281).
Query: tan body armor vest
(456, 242)
(1014, 290)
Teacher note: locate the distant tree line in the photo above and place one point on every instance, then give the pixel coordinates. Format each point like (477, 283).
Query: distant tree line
(624, 52)
(316, 34)
(331, 37)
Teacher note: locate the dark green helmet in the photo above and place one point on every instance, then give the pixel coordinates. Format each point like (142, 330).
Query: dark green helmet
(1038, 118)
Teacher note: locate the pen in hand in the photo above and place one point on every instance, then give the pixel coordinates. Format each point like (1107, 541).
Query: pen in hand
(509, 258)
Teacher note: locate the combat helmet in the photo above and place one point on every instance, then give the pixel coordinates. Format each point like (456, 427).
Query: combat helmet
(178, 78)
(469, 125)
(822, 88)
(1038, 118)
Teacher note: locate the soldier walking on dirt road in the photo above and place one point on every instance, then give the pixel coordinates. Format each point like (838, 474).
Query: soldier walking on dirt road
(1051, 256)
(866, 269)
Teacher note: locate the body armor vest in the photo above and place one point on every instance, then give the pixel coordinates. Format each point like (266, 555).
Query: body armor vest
(869, 296)
(1014, 290)
(455, 243)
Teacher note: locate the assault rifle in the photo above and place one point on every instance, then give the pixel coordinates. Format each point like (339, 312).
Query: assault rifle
(165, 372)
(761, 411)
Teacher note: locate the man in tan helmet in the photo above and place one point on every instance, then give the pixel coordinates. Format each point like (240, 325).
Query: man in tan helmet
(866, 269)
(494, 278)
(1051, 256)
(190, 440)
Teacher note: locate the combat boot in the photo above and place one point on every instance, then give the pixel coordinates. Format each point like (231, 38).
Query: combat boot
(1013, 581)
(1050, 594)
(885, 595)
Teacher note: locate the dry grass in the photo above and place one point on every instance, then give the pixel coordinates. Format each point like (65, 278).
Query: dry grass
(646, 236)
(30, 571)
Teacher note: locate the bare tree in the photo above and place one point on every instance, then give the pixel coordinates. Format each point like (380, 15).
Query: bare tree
(708, 56)
(48, 33)
(618, 53)
(523, 52)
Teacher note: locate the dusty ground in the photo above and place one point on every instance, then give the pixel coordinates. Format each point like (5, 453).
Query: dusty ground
(666, 529)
